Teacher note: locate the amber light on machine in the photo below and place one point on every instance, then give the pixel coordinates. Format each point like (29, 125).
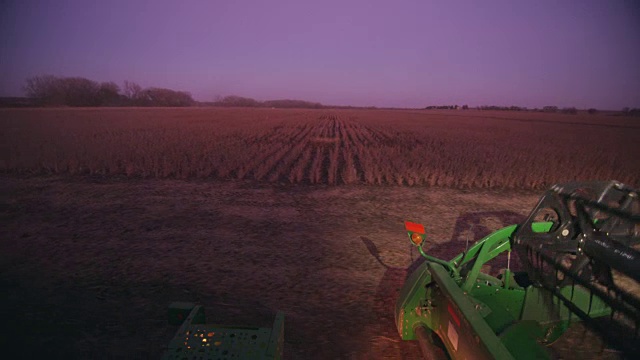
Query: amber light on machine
(417, 238)
(416, 232)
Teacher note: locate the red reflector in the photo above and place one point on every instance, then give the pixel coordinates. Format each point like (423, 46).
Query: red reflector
(453, 314)
(414, 227)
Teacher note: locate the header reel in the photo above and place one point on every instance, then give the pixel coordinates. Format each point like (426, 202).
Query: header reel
(592, 245)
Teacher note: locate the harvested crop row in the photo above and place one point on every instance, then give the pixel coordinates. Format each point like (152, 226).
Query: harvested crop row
(454, 149)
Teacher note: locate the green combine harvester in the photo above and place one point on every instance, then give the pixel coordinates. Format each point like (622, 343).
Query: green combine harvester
(579, 262)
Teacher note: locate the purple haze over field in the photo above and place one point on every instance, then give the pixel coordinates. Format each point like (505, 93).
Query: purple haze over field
(381, 53)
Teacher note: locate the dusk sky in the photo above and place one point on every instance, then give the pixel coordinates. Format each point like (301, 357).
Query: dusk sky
(383, 53)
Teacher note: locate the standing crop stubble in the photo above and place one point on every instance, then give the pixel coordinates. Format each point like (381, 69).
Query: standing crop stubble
(416, 148)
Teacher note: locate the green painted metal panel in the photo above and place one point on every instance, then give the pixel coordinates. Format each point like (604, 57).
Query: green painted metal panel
(411, 307)
(474, 337)
(475, 314)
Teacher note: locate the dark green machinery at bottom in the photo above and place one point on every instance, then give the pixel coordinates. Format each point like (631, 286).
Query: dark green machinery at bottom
(579, 263)
(197, 340)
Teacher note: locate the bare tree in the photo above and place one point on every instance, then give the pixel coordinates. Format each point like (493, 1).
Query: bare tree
(109, 94)
(132, 90)
(80, 91)
(166, 97)
(234, 100)
(45, 90)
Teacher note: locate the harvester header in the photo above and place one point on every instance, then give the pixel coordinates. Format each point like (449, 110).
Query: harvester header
(580, 262)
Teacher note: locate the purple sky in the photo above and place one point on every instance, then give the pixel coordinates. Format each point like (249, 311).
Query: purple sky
(384, 53)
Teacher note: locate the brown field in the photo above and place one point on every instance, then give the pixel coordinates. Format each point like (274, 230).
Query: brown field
(109, 215)
(460, 149)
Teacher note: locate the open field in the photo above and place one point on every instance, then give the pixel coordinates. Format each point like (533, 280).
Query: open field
(460, 149)
(108, 215)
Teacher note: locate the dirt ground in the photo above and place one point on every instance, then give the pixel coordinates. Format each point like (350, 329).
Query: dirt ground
(88, 266)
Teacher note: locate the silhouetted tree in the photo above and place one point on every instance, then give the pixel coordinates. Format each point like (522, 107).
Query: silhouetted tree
(233, 100)
(45, 90)
(133, 92)
(592, 111)
(109, 94)
(164, 97)
(77, 91)
(287, 103)
(71, 91)
(80, 91)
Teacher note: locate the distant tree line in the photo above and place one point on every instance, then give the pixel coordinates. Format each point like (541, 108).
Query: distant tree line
(48, 90)
(502, 108)
(239, 101)
(442, 107)
(549, 109)
(286, 103)
(482, 107)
